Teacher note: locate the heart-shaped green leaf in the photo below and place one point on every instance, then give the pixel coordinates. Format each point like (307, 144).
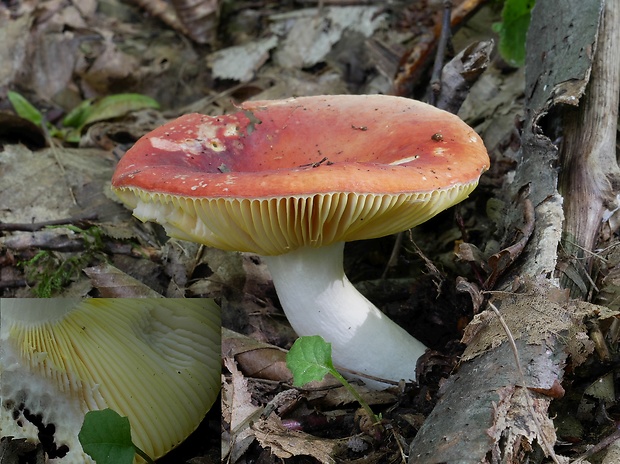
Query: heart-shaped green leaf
(106, 437)
(309, 359)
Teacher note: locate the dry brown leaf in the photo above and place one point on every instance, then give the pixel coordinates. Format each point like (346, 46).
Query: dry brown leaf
(179, 260)
(477, 298)
(14, 37)
(241, 62)
(51, 59)
(513, 419)
(110, 65)
(549, 318)
(238, 411)
(470, 253)
(228, 275)
(256, 359)
(461, 72)
(311, 36)
(113, 283)
(555, 391)
(200, 18)
(285, 443)
(332, 397)
(54, 183)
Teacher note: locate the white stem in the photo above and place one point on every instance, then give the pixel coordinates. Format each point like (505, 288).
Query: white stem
(318, 299)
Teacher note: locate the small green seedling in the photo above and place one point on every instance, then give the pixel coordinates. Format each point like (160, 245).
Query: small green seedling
(106, 437)
(310, 359)
(513, 30)
(24, 108)
(109, 107)
(27, 110)
(87, 112)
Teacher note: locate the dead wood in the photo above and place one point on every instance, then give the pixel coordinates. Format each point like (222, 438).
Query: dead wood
(478, 401)
(76, 221)
(590, 176)
(488, 412)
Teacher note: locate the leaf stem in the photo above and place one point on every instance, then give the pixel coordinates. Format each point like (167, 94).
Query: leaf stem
(143, 455)
(355, 394)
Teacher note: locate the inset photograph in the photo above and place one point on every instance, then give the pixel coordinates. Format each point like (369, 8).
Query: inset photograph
(109, 380)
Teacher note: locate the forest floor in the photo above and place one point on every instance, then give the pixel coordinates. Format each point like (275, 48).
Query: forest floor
(63, 233)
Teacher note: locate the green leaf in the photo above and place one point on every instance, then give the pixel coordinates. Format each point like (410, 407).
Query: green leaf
(309, 359)
(24, 108)
(106, 437)
(114, 106)
(513, 30)
(70, 135)
(77, 116)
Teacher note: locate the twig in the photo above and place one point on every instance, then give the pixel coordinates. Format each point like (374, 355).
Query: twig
(414, 62)
(600, 446)
(14, 283)
(444, 37)
(367, 376)
(454, 95)
(32, 227)
(403, 456)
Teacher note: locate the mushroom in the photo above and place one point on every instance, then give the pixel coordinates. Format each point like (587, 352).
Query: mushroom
(292, 180)
(155, 361)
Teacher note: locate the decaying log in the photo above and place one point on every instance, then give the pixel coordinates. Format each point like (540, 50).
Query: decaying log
(590, 177)
(490, 411)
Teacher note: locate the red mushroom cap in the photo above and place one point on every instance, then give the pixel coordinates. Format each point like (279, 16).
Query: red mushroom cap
(265, 170)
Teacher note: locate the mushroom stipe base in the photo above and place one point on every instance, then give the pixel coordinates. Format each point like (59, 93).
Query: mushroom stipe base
(318, 298)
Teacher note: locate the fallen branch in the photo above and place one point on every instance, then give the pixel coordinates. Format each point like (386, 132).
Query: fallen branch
(79, 221)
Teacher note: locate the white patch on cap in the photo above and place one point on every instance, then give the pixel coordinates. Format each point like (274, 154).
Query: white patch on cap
(230, 130)
(207, 136)
(190, 146)
(404, 160)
